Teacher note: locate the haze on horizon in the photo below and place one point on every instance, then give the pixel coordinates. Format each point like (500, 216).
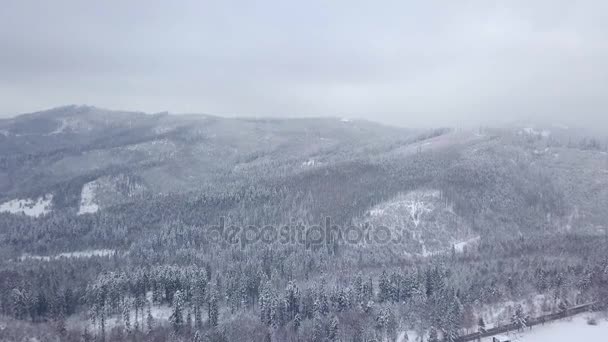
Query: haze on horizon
(409, 64)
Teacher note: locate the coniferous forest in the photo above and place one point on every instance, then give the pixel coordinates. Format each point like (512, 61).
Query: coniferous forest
(140, 227)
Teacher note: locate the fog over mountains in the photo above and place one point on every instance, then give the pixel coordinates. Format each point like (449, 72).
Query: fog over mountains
(427, 63)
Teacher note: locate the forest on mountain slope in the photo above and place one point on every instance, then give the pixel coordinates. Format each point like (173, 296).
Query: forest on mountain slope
(531, 203)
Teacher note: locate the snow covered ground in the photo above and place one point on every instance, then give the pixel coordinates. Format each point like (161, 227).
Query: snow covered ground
(28, 206)
(574, 329)
(87, 197)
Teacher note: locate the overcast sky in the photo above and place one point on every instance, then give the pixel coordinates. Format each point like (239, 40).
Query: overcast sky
(400, 62)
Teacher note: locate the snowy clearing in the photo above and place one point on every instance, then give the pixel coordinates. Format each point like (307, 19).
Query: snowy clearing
(567, 330)
(29, 207)
(61, 128)
(460, 246)
(87, 196)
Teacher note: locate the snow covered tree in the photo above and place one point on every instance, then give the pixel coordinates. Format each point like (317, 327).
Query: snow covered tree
(519, 318)
(213, 309)
(297, 321)
(19, 303)
(384, 287)
(318, 331)
(292, 300)
(126, 316)
(332, 334)
(197, 337)
(177, 316)
(481, 324)
(149, 317)
(433, 337)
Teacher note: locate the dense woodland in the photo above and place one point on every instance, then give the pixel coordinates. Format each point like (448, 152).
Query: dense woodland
(540, 246)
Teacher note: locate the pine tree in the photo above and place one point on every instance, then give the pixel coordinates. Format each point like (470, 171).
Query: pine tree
(395, 287)
(189, 319)
(213, 309)
(60, 325)
(368, 290)
(126, 316)
(481, 324)
(318, 333)
(19, 303)
(266, 299)
(150, 318)
(86, 336)
(519, 318)
(292, 300)
(197, 337)
(297, 321)
(453, 319)
(433, 335)
(321, 304)
(177, 316)
(332, 334)
(384, 287)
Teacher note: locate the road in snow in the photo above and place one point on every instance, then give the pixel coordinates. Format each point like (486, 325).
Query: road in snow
(574, 329)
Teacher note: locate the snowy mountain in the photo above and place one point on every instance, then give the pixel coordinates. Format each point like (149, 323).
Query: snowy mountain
(105, 215)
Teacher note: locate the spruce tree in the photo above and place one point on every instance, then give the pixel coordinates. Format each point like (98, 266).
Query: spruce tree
(150, 318)
(213, 309)
(433, 337)
(332, 334)
(126, 316)
(481, 324)
(177, 316)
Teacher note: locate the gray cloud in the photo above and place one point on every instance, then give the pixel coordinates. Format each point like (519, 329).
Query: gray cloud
(400, 62)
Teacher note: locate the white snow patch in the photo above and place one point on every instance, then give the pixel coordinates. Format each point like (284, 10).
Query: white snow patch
(345, 120)
(531, 131)
(76, 254)
(310, 162)
(409, 336)
(29, 207)
(376, 212)
(87, 197)
(62, 126)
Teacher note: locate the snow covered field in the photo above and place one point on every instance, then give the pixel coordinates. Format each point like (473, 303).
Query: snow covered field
(574, 329)
(28, 206)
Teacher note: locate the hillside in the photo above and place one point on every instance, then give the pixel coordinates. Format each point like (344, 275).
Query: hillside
(475, 217)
